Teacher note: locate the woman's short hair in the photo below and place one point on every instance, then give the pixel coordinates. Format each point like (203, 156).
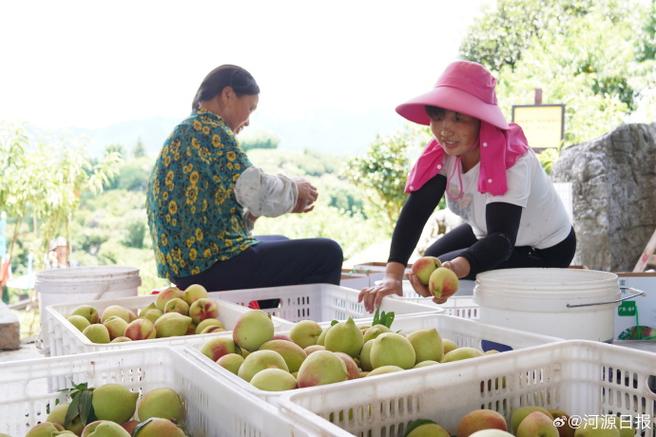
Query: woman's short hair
(237, 78)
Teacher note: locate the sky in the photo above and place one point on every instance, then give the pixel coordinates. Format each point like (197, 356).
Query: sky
(330, 72)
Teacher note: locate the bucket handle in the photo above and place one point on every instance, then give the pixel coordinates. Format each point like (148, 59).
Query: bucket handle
(635, 290)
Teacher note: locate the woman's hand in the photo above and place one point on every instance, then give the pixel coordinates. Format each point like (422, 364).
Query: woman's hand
(459, 265)
(422, 289)
(307, 195)
(371, 297)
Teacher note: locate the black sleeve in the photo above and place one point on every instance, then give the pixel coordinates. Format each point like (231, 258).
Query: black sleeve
(414, 214)
(502, 221)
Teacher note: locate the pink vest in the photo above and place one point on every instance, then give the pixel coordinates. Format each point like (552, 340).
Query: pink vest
(500, 149)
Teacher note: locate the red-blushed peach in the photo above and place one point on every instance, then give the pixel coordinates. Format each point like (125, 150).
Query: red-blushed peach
(140, 329)
(443, 283)
(218, 347)
(478, 420)
(321, 367)
(424, 266)
(203, 308)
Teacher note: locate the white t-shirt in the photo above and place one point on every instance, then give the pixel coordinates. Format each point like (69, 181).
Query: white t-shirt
(544, 220)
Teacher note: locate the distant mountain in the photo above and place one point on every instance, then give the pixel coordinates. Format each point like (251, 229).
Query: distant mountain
(327, 131)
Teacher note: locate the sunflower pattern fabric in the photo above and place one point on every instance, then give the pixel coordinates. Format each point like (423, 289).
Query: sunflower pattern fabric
(193, 215)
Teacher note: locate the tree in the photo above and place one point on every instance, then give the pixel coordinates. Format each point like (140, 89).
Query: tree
(139, 150)
(47, 183)
(259, 140)
(382, 173)
(585, 54)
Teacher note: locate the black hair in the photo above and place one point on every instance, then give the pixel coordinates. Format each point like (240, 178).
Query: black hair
(434, 111)
(240, 80)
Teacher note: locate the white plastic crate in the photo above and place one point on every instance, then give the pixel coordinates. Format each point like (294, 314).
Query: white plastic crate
(318, 302)
(63, 338)
(583, 378)
(463, 332)
(213, 407)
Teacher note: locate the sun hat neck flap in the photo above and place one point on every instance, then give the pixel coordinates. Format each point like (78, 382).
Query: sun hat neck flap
(500, 150)
(465, 87)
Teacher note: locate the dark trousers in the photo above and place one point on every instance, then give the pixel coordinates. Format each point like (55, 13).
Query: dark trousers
(274, 261)
(455, 242)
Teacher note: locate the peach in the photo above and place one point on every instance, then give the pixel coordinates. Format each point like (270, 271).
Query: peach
(344, 337)
(565, 430)
(218, 347)
(462, 353)
(426, 363)
(114, 402)
(321, 367)
(391, 348)
(424, 266)
(231, 362)
(208, 322)
(80, 322)
(443, 283)
(315, 347)
(88, 312)
(478, 420)
(166, 295)
(374, 331)
(427, 344)
(352, 369)
(115, 326)
(203, 308)
(252, 330)
(140, 329)
(176, 305)
(385, 369)
(160, 427)
(290, 351)
(537, 424)
(365, 355)
(518, 414)
(274, 380)
(97, 333)
(260, 360)
(161, 402)
(305, 333)
(104, 428)
(425, 428)
(193, 293)
(118, 311)
(171, 325)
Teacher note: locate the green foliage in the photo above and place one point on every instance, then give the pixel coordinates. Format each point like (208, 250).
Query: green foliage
(132, 176)
(381, 175)
(258, 140)
(548, 157)
(586, 54)
(139, 150)
(115, 149)
(292, 163)
(136, 231)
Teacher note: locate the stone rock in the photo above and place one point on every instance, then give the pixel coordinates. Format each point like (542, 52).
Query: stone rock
(614, 195)
(9, 329)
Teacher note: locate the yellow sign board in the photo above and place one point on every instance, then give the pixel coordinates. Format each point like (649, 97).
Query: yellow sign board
(543, 125)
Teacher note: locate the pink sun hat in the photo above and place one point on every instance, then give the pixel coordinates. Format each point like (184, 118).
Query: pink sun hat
(465, 87)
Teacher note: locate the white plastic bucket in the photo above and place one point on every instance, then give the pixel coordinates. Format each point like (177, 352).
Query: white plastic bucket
(81, 284)
(565, 303)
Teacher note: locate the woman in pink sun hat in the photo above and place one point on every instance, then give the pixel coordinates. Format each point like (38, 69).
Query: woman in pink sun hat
(512, 214)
